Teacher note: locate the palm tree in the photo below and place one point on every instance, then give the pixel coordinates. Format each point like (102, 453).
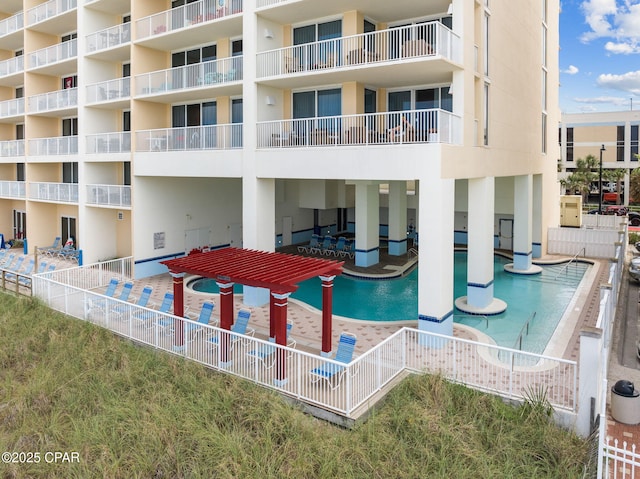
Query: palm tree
(634, 184)
(580, 180)
(616, 176)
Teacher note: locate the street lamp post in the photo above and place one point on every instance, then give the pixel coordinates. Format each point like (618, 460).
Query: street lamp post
(600, 183)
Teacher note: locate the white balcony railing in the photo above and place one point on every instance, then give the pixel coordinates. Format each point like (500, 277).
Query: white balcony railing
(49, 10)
(186, 16)
(11, 107)
(115, 142)
(64, 192)
(197, 75)
(109, 90)
(58, 145)
(268, 3)
(54, 54)
(109, 195)
(54, 100)
(11, 66)
(432, 39)
(109, 37)
(10, 148)
(210, 137)
(12, 189)
(11, 24)
(433, 126)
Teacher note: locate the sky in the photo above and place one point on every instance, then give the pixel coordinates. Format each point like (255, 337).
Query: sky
(599, 55)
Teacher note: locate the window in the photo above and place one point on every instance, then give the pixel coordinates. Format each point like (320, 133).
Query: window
(323, 53)
(197, 55)
(69, 82)
(20, 132)
(70, 127)
(126, 173)
(634, 142)
(20, 172)
(544, 133)
(19, 92)
(315, 104)
(485, 116)
(188, 120)
(19, 53)
(126, 70)
(569, 144)
(486, 45)
(69, 37)
(68, 228)
(620, 143)
(70, 172)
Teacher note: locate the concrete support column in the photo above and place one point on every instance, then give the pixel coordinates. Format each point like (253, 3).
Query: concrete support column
(435, 261)
(522, 227)
(589, 376)
(536, 218)
(258, 228)
(367, 223)
(327, 313)
(226, 321)
(397, 218)
(178, 310)
(479, 299)
(280, 303)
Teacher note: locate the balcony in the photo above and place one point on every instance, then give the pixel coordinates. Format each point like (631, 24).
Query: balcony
(58, 145)
(12, 189)
(54, 60)
(425, 126)
(110, 44)
(11, 148)
(191, 20)
(396, 49)
(11, 108)
(50, 17)
(55, 192)
(116, 196)
(116, 142)
(116, 91)
(12, 66)
(11, 32)
(55, 103)
(211, 137)
(222, 75)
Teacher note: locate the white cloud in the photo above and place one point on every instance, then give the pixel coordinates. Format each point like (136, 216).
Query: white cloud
(627, 82)
(608, 20)
(572, 70)
(601, 100)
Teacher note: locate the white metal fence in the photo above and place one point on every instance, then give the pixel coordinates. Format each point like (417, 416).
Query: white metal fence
(12, 107)
(58, 145)
(53, 54)
(12, 148)
(109, 37)
(12, 189)
(55, 100)
(50, 9)
(435, 126)
(428, 39)
(186, 16)
(12, 65)
(113, 142)
(11, 24)
(208, 137)
(64, 192)
(109, 195)
(109, 90)
(506, 372)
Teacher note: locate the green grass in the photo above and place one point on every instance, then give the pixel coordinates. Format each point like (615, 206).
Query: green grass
(132, 412)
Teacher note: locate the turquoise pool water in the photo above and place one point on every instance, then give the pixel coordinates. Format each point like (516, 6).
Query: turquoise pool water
(547, 295)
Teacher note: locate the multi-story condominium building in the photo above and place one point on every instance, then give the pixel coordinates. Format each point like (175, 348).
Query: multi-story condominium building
(583, 134)
(152, 127)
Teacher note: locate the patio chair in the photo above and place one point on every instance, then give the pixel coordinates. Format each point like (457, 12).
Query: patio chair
(313, 246)
(333, 373)
(27, 270)
(48, 249)
(341, 247)
(191, 330)
(7, 261)
(16, 267)
(240, 327)
(142, 301)
(144, 315)
(110, 292)
(26, 280)
(326, 244)
(265, 353)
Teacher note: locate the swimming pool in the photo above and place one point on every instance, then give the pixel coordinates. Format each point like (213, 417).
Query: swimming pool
(546, 294)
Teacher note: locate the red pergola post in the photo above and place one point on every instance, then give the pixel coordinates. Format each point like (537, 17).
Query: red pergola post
(178, 310)
(279, 322)
(272, 315)
(226, 320)
(327, 313)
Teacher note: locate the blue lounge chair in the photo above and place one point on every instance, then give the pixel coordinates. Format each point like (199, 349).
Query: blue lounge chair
(110, 292)
(11, 276)
(26, 281)
(13, 269)
(240, 327)
(144, 315)
(312, 247)
(8, 260)
(121, 309)
(341, 247)
(331, 372)
(191, 330)
(50, 250)
(328, 245)
(266, 352)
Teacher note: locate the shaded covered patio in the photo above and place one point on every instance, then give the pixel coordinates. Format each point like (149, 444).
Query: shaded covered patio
(278, 272)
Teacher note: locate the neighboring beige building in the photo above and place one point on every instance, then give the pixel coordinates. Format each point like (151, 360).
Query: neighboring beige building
(151, 127)
(583, 134)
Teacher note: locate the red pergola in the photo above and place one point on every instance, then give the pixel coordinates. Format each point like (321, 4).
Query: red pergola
(278, 272)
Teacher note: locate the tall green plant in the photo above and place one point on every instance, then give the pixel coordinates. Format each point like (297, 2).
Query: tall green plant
(582, 177)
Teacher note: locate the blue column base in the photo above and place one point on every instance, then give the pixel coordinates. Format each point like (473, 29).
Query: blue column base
(253, 296)
(280, 382)
(367, 258)
(536, 250)
(521, 261)
(431, 324)
(325, 354)
(225, 365)
(397, 247)
(479, 295)
(177, 349)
